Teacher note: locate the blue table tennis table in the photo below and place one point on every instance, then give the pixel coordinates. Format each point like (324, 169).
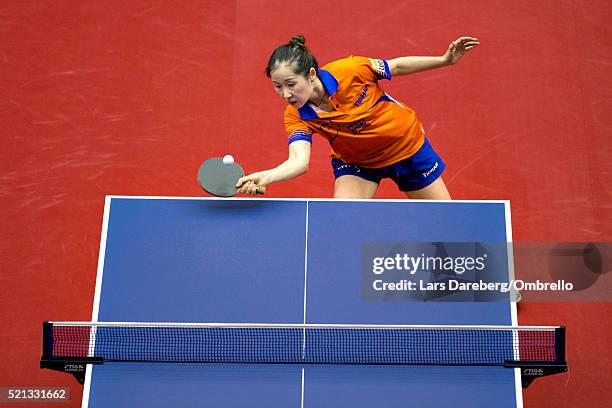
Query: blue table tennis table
(283, 261)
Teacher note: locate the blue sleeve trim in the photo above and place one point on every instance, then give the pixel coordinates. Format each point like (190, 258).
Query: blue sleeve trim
(300, 135)
(387, 70)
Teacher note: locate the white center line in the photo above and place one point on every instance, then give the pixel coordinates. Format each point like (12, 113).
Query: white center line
(302, 404)
(305, 286)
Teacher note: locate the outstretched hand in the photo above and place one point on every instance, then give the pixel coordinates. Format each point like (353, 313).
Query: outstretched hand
(458, 48)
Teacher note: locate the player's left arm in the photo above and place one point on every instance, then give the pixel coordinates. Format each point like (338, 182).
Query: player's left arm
(410, 65)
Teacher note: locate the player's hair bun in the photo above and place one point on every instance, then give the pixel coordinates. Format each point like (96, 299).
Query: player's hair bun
(297, 41)
(295, 55)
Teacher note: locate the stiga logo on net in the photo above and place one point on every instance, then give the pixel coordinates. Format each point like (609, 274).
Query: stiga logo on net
(533, 371)
(412, 264)
(69, 368)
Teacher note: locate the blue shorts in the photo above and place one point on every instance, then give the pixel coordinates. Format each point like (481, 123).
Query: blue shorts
(414, 173)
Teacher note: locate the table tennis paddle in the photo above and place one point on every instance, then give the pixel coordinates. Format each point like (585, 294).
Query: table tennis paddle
(220, 179)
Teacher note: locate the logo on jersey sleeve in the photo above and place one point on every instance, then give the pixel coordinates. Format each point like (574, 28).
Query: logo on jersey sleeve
(378, 66)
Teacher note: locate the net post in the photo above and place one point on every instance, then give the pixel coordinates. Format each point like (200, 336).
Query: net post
(560, 344)
(66, 364)
(531, 370)
(47, 340)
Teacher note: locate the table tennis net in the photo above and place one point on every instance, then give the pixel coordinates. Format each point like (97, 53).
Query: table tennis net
(316, 344)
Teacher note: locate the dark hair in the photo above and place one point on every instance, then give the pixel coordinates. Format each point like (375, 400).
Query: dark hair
(294, 52)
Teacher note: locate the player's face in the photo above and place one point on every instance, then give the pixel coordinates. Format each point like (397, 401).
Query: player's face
(295, 89)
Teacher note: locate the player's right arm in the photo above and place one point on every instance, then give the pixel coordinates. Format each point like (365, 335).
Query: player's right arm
(295, 165)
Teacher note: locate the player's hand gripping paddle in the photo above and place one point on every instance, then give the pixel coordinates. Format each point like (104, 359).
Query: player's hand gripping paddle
(220, 179)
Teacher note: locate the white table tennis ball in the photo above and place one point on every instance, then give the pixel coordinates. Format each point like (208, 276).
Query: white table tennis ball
(228, 159)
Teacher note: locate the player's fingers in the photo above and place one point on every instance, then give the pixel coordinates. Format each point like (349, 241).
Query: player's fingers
(243, 185)
(240, 182)
(245, 179)
(251, 188)
(242, 189)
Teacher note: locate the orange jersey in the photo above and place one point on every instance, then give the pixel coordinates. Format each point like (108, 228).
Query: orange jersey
(367, 127)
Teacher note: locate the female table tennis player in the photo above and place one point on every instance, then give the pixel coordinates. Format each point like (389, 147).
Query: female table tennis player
(372, 135)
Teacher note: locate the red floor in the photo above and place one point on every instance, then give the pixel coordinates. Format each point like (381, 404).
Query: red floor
(99, 98)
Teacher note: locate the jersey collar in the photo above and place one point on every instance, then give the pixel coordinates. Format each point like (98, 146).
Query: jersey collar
(330, 83)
